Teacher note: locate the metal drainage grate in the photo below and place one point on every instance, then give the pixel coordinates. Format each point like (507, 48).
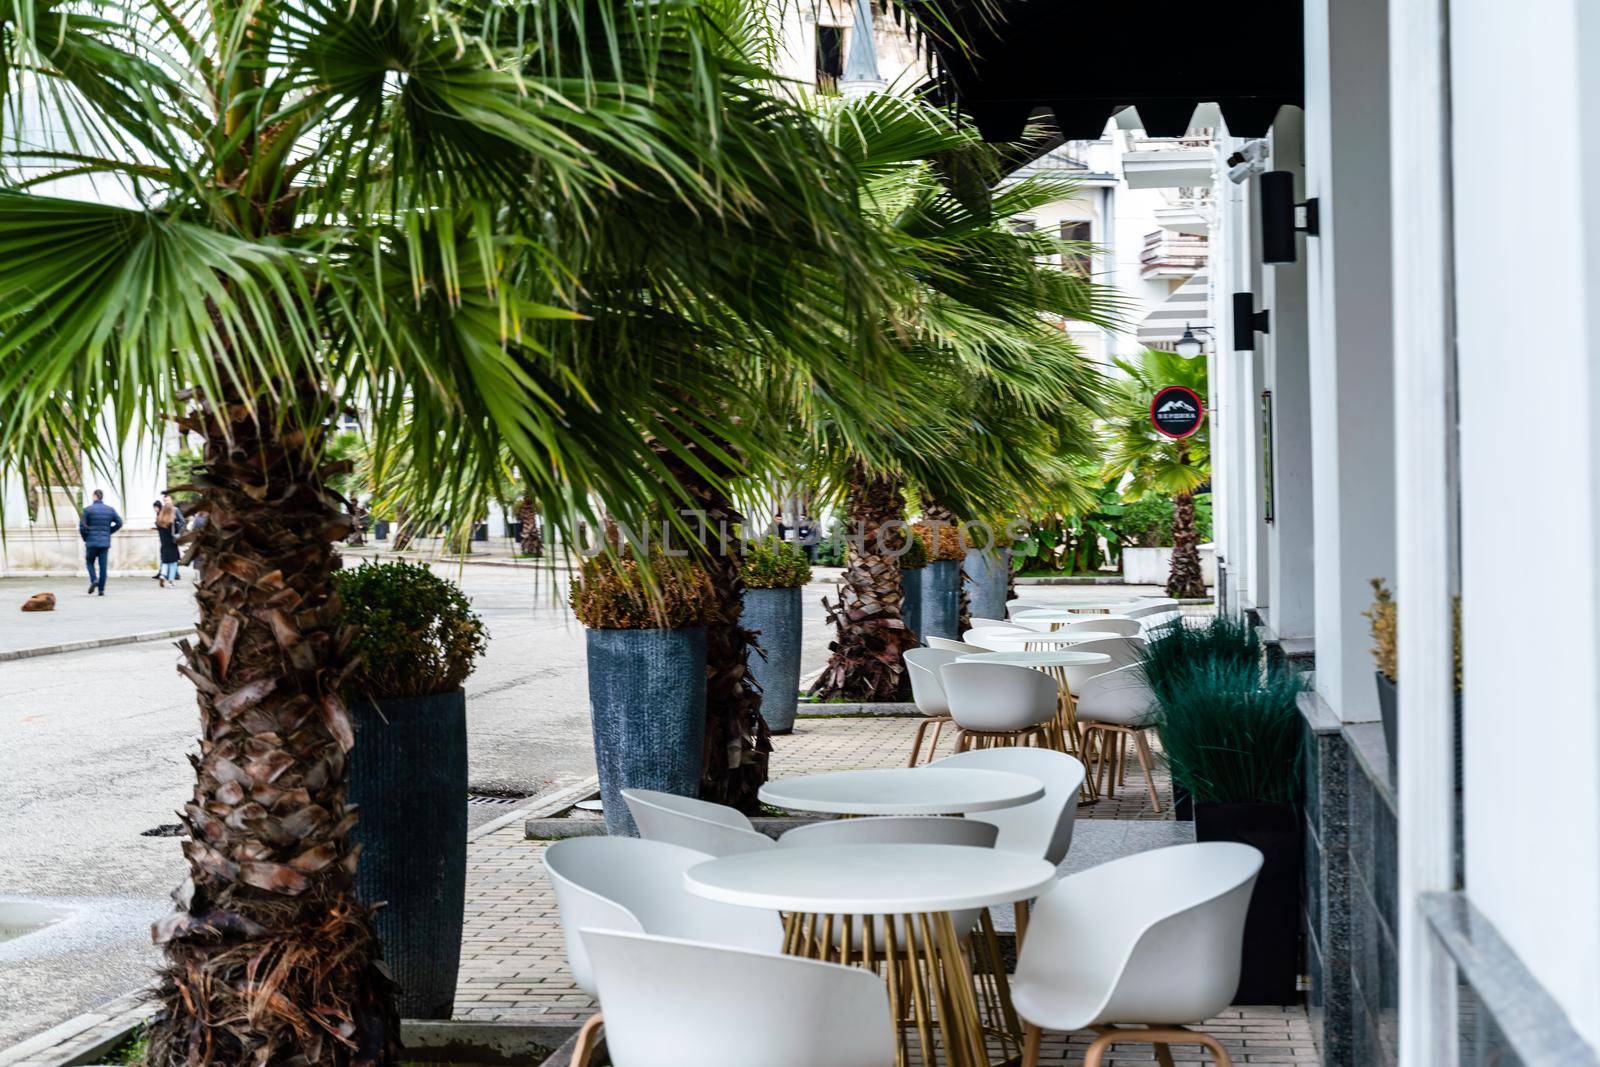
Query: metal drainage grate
(166, 829)
(486, 798)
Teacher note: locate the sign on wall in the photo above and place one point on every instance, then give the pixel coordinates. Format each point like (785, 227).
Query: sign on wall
(1177, 411)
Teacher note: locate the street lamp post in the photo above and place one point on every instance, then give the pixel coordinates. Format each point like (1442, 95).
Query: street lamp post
(861, 64)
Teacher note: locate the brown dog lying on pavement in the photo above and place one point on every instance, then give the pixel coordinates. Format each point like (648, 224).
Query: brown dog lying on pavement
(40, 602)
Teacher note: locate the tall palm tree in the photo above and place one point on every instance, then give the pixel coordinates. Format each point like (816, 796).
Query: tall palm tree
(435, 209)
(1002, 396)
(1146, 461)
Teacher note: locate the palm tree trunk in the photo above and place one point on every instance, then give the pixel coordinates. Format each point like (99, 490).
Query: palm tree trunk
(1185, 581)
(270, 958)
(532, 535)
(871, 638)
(404, 530)
(738, 743)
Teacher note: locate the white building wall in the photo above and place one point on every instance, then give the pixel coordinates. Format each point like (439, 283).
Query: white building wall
(1528, 312)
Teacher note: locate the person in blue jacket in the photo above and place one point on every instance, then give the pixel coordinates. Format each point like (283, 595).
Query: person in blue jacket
(100, 520)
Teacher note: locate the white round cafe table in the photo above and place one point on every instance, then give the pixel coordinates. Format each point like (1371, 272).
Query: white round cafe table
(1053, 615)
(871, 879)
(1076, 637)
(826, 893)
(903, 791)
(1042, 658)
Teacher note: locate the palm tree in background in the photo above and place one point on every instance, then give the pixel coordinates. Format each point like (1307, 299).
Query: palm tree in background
(1002, 397)
(454, 213)
(1144, 460)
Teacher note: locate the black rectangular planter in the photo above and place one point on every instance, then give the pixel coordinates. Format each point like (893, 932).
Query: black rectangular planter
(1272, 927)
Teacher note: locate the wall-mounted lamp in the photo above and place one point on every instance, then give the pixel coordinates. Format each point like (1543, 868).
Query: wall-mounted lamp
(1282, 218)
(1189, 345)
(1247, 322)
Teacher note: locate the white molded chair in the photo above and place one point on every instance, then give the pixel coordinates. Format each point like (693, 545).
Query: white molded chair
(676, 1003)
(997, 704)
(1114, 624)
(1124, 652)
(1005, 638)
(978, 621)
(922, 667)
(714, 829)
(1042, 827)
(1117, 705)
(945, 644)
(1153, 939)
(623, 883)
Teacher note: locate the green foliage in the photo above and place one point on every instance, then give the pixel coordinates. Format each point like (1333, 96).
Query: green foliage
(773, 564)
(1147, 522)
(418, 634)
(1148, 461)
(182, 467)
(612, 592)
(1233, 734)
(915, 557)
(133, 1050)
(1176, 651)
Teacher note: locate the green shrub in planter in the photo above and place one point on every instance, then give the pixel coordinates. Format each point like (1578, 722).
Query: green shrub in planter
(774, 564)
(1176, 651)
(774, 572)
(647, 675)
(1232, 736)
(418, 640)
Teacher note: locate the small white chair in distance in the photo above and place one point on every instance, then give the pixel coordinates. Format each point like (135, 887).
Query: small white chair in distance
(1006, 638)
(996, 704)
(714, 829)
(1117, 705)
(1152, 939)
(922, 667)
(978, 620)
(671, 1003)
(1113, 624)
(623, 883)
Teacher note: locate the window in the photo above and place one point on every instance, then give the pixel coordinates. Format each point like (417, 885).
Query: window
(830, 57)
(1077, 258)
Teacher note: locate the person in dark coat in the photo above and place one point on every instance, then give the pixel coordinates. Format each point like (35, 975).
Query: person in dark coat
(99, 521)
(167, 530)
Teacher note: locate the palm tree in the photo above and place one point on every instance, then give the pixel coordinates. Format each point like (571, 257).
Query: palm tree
(1002, 398)
(246, 216)
(1147, 461)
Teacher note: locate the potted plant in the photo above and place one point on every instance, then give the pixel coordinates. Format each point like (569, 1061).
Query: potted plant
(774, 572)
(1232, 737)
(913, 571)
(647, 674)
(987, 575)
(941, 581)
(415, 640)
(1384, 621)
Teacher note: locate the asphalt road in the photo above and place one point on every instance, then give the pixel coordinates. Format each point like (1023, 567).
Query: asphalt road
(93, 750)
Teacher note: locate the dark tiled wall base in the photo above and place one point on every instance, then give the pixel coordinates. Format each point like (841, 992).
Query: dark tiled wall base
(1482, 1043)
(1350, 894)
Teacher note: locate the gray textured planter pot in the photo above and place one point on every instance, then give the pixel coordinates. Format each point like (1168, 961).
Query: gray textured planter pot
(775, 615)
(408, 773)
(941, 600)
(647, 694)
(911, 600)
(986, 572)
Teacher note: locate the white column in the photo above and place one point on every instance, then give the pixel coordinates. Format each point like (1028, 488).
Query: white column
(1351, 339)
(1424, 514)
(497, 520)
(1525, 84)
(1290, 567)
(1255, 591)
(1220, 354)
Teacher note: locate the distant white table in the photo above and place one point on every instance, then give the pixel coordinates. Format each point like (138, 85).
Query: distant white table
(903, 791)
(1041, 658)
(827, 891)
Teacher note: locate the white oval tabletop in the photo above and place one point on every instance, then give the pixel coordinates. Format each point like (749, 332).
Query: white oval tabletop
(903, 791)
(1038, 659)
(871, 879)
(1077, 637)
(1056, 615)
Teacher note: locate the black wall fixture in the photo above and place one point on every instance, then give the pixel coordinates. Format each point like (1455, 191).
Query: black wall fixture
(1247, 322)
(1281, 217)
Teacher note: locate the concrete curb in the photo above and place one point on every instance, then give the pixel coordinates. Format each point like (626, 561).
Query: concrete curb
(99, 642)
(889, 709)
(543, 806)
(85, 1038)
(513, 563)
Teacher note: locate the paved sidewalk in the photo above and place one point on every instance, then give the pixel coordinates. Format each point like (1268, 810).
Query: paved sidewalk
(130, 606)
(514, 964)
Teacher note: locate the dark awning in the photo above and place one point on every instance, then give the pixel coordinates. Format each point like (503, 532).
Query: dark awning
(1085, 60)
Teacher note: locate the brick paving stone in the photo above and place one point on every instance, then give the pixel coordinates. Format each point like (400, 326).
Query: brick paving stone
(514, 962)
